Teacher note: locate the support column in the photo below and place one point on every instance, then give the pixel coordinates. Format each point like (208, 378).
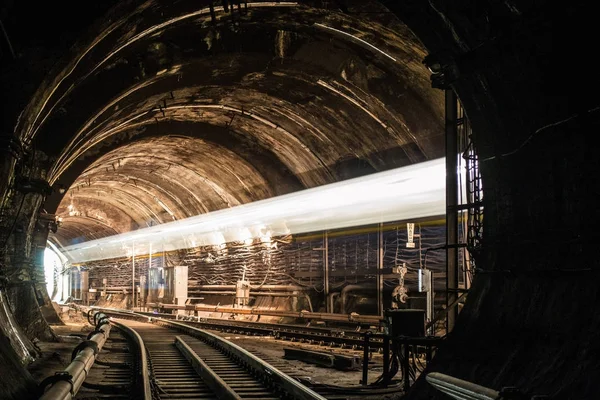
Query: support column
(326, 272)
(133, 304)
(451, 207)
(380, 270)
(85, 287)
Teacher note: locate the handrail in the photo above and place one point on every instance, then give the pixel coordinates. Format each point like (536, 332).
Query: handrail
(64, 385)
(143, 382)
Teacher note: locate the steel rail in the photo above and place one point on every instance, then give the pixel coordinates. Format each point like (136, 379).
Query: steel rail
(212, 380)
(261, 367)
(295, 389)
(143, 373)
(311, 335)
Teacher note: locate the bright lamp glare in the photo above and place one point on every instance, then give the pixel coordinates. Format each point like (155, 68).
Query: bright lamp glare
(404, 193)
(51, 263)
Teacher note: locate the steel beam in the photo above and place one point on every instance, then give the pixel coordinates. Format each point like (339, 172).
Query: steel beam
(451, 204)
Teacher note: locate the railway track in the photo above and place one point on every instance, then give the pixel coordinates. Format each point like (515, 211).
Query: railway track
(112, 374)
(331, 337)
(183, 362)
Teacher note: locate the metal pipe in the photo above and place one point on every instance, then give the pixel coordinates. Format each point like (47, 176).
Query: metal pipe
(289, 288)
(78, 369)
(331, 301)
(232, 293)
(460, 389)
(353, 317)
(348, 288)
(273, 294)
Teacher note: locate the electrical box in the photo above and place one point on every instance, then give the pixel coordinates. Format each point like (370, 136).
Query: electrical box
(424, 280)
(405, 322)
(410, 234)
(242, 292)
(155, 284)
(143, 290)
(181, 286)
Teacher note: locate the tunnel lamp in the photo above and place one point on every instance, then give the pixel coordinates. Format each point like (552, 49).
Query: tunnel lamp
(411, 192)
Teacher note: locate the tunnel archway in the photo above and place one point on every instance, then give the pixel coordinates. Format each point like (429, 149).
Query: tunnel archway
(500, 59)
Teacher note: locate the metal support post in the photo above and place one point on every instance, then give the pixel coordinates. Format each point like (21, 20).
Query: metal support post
(380, 271)
(451, 207)
(365, 371)
(133, 275)
(326, 271)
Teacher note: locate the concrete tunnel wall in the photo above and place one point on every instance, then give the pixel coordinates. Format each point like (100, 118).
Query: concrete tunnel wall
(522, 71)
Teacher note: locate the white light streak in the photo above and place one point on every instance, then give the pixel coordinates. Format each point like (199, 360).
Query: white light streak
(410, 192)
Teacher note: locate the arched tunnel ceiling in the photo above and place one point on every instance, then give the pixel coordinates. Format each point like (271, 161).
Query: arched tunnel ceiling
(129, 187)
(166, 113)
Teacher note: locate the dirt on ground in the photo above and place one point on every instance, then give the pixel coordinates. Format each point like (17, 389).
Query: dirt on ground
(56, 356)
(272, 350)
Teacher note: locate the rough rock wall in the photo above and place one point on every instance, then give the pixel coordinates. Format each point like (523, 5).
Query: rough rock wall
(21, 320)
(24, 278)
(528, 321)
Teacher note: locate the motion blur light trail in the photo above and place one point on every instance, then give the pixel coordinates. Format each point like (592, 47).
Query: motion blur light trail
(415, 191)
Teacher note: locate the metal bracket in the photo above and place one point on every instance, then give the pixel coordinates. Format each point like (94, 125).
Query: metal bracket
(57, 377)
(85, 344)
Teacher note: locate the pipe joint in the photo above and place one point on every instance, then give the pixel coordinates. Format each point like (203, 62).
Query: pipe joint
(84, 345)
(62, 376)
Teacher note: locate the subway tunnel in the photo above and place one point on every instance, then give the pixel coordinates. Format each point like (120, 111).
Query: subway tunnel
(127, 115)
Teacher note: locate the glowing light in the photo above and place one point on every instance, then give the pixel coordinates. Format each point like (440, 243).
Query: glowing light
(52, 262)
(266, 238)
(410, 192)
